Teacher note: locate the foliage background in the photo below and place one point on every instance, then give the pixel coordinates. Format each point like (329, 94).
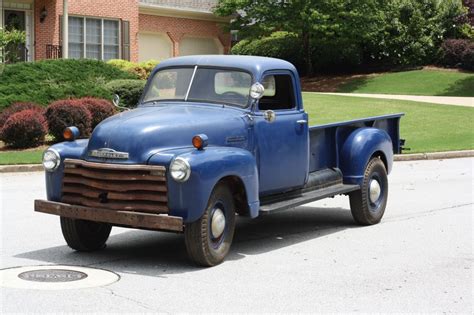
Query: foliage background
(340, 35)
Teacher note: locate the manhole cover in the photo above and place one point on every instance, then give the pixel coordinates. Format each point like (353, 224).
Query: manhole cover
(52, 275)
(55, 277)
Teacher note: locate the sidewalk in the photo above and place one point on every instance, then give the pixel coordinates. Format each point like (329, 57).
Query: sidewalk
(445, 100)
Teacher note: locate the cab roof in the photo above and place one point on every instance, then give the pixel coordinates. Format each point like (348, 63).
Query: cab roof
(253, 64)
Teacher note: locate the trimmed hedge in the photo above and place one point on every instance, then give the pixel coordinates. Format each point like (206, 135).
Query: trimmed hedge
(46, 81)
(65, 113)
(99, 109)
(142, 69)
(129, 91)
(15, 108)
(24, 129)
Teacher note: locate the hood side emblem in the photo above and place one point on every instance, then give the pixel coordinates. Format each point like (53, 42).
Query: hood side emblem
(107, 153)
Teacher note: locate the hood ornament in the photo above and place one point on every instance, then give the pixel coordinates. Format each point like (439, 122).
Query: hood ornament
(107, 153)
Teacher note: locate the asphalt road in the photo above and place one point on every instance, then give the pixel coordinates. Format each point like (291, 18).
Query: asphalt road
(311, 259)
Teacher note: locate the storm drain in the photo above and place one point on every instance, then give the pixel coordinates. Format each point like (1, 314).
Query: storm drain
(55, 277)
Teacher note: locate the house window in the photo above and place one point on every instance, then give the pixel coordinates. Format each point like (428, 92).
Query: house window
(93, 38)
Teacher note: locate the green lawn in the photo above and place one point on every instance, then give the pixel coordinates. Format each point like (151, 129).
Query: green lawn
(418, 82)
(426, 127)
(21, 157)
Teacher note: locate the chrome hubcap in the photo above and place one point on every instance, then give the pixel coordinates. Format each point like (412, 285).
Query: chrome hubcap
(217, 223)
(374, 191)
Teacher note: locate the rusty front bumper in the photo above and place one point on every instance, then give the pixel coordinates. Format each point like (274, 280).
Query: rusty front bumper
(130, 219)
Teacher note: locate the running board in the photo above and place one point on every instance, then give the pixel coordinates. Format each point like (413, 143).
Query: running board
(294, 200)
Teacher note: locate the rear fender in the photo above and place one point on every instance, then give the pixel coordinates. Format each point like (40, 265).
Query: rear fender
(357, 150)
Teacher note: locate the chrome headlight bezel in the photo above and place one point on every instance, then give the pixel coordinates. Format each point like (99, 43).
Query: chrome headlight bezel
(50, 154)
(180, 170)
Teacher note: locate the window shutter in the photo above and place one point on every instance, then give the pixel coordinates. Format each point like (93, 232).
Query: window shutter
(126, 40)
(60, 30)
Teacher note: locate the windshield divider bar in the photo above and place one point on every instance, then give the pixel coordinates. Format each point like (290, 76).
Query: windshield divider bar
(190, 83)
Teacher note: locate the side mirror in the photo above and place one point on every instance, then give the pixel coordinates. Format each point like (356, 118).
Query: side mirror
(116, 102)
(269, 116)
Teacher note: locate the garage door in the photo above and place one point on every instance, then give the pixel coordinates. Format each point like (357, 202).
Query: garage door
(154, 46)
(199, 46)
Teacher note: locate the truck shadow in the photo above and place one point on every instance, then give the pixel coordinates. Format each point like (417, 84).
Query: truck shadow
(158, 254)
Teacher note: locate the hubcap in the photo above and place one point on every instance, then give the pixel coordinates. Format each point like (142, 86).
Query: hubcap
(217, 223)
(374, 191)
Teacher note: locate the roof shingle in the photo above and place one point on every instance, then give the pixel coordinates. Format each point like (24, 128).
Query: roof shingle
(198, 5)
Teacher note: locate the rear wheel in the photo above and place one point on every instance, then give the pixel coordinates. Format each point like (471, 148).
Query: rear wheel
(83, 235)
(368, 203)
(208, 239)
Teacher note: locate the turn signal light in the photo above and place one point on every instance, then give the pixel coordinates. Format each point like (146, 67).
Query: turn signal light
(71, 133)
(200, 141)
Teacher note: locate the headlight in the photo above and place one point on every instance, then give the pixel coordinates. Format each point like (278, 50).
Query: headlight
(51, 160)
(180, 169)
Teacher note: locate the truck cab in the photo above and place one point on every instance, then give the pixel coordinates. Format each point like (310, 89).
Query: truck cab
(214, 137)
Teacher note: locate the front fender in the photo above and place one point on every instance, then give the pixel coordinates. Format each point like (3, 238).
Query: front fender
(189, 199)
(358, 148)
(66, 150)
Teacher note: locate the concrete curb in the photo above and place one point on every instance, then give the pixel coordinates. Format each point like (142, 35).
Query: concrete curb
(21, 168)
(434, 155)
(397, 158)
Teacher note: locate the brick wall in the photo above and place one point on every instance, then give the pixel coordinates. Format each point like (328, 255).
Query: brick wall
(48, 31)
(177, 28)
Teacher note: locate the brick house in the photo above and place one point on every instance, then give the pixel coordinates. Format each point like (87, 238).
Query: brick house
(135, 30)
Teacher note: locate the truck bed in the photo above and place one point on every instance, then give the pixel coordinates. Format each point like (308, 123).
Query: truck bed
(326, 140)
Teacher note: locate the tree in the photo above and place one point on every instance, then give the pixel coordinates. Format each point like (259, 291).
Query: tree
(345, 33)
(316, 22)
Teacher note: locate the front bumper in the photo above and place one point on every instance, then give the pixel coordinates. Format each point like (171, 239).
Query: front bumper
(138, 220)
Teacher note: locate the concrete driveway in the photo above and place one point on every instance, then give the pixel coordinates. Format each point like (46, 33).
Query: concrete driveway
(311, 259)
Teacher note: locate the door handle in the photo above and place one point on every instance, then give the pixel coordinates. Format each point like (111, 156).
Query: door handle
(302, 122)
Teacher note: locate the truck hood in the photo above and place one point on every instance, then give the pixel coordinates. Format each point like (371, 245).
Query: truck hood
(145, 131)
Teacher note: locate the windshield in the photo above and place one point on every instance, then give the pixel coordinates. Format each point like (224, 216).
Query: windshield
(206, 85)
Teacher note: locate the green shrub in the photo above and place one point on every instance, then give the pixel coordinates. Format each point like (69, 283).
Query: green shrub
(129, 91)
(283, 45)
(142, 69)
(46, 81)
(65, 113)
(10, 42)
(24, 129)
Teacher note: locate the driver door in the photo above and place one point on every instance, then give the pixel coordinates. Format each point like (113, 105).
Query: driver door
(282, 144)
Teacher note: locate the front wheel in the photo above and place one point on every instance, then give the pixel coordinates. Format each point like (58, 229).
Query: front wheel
(83, 235)
(209, 238)
(368, 203)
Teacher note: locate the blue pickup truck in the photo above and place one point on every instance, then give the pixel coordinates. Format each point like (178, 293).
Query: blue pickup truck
(214, 137)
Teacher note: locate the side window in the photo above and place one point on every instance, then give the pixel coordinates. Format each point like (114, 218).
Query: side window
(279, 93)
